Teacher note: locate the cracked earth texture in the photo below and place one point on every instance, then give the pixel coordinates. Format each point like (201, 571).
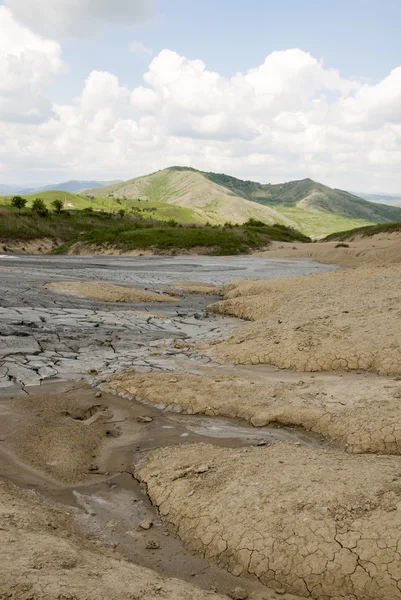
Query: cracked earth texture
(320, 524)
(42, 558)
(46, 334)
(345, 320)
(344, 410)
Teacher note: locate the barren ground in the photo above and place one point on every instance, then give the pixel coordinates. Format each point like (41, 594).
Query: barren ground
(257, 482)
(347, 320)
(105, 292)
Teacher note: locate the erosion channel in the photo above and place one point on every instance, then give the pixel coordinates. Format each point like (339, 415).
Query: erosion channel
(91, 378)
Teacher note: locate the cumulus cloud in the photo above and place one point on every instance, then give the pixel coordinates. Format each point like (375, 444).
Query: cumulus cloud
(27, 62)
(290, 117)
(139, 48)
(55, 19)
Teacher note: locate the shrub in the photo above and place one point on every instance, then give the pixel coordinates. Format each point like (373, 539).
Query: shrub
(342, 245)
(172, 223)
(255, 223)
(121, 212)
(39, 207)
(18, 202)
(57, 205)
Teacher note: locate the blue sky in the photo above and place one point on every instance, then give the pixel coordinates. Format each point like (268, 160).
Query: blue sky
(331, 96)
(359, 37)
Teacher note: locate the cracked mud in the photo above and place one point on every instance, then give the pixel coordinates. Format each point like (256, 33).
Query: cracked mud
(76, 448)
(342, 321)
(342, 409)
(319, 524)
(267, 483)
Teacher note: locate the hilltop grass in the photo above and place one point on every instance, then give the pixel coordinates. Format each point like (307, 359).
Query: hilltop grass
(133, 233)
(367, 231)
(159, 211)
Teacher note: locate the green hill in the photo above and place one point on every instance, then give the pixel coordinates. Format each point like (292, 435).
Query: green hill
(159, 211)
(190, 189)
(311, 207)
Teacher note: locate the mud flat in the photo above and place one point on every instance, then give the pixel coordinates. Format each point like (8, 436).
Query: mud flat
(357, 413)
(346, 321)
(196, 453)
(314, 523)
(78, 516)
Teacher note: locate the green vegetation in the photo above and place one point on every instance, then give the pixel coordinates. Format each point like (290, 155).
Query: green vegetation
(316, 223)
(39, 207)
(317, 210)
(363, 232)
(184, 195)
(129, 232)
(57, 205)
(18, 202)
(159, 211)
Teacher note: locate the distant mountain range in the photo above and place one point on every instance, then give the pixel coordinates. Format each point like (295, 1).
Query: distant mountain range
(390, 199)
(312, 207)
(73, 186)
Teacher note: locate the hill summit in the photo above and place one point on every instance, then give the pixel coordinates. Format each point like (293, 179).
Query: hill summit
(312, 207)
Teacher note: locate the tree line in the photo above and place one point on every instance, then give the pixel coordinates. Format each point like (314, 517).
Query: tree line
(38, 205)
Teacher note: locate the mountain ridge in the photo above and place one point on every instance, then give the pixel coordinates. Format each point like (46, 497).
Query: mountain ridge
(311, 206)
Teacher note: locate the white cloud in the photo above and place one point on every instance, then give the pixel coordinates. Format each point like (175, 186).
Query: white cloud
(59, 18)
(27, 62)
(139, 48)
(288, 118)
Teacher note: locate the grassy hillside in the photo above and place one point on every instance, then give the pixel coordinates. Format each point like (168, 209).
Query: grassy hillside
(308, 194)
(159, 211)
(314, 208)
(133, 233)
(369, 231)
(190, 189)
(316, 223)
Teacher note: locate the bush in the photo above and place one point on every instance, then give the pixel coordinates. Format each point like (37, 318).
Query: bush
(39, 207)
(57, 205)
(121, 212)
(342, 246)
(18, 202)
(255, 223)
(172, 223)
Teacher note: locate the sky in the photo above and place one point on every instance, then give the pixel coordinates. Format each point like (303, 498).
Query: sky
(262, 90)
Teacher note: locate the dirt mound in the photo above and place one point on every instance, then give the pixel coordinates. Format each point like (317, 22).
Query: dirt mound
(198, 287)
(315, 523)
(346, 411)
(56, 435)
(42, 558)
(341, 320)
(105, 292)
(379, 250)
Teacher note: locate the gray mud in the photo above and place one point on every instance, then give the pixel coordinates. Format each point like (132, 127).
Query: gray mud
(45, 335)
